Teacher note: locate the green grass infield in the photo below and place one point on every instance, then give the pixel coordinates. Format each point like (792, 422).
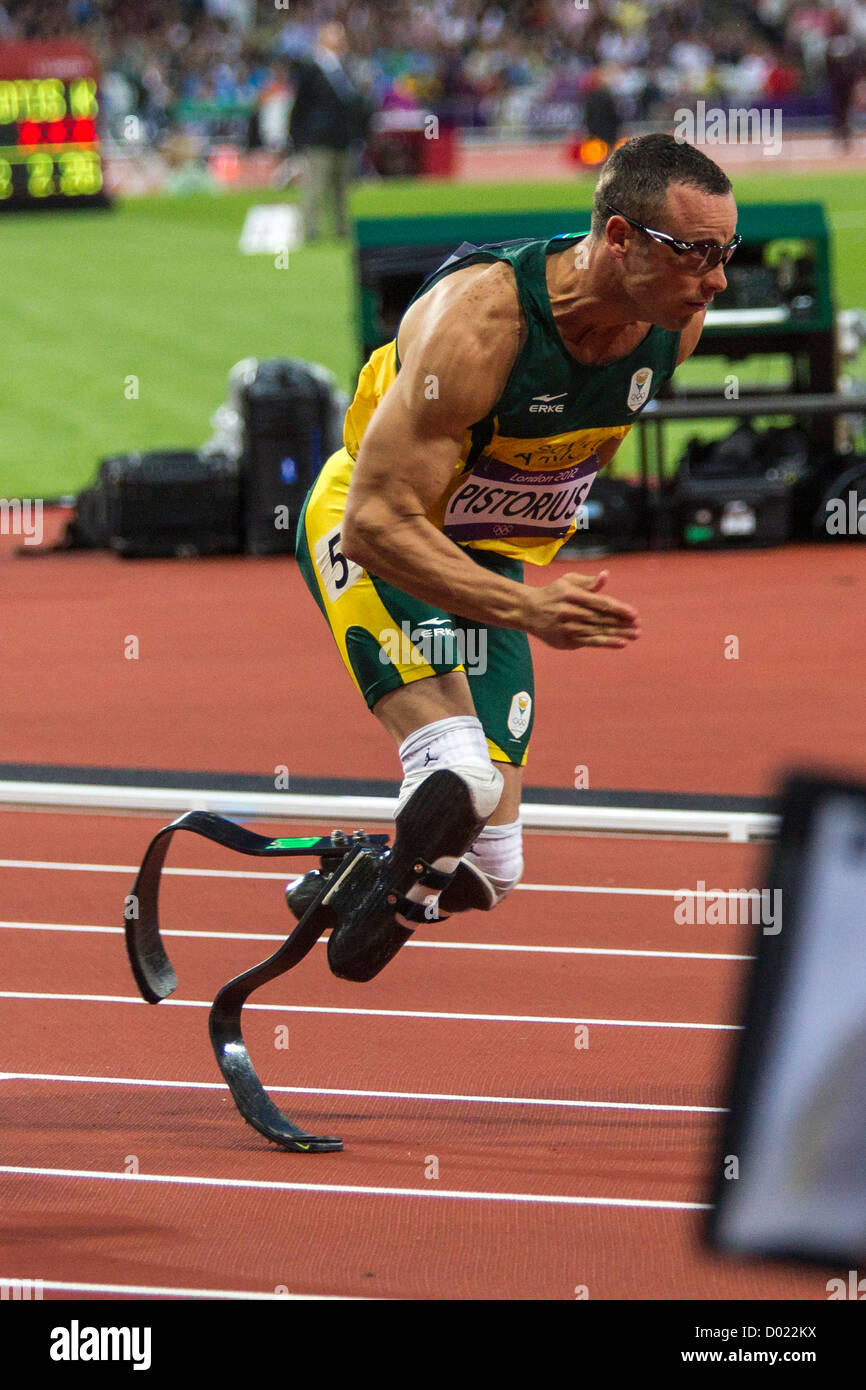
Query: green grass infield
(121, 326)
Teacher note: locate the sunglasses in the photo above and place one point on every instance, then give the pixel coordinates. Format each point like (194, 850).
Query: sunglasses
(702, 255)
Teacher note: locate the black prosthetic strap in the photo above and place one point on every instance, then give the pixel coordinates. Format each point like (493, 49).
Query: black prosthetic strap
(433, 878)
(465, 892)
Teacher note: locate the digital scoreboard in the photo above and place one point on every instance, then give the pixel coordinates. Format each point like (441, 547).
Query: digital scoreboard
(49, 138)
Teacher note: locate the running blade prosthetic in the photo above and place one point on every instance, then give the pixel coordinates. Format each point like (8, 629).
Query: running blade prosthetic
(156, 979)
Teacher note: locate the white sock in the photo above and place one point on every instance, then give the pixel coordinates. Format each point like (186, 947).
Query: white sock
(459, 739)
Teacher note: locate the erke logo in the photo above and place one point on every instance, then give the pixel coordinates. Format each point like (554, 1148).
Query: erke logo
(545, 408)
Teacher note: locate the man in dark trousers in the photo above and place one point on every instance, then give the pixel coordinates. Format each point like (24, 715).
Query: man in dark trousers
(844, 65)
(328, 116)
(600, 113)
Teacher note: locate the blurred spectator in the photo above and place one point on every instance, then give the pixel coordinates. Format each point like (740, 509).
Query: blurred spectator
(271, 119)
(202, 67)
(329, 115)
(844, 62)
(239, 13)
(600, 113)
(649, 96)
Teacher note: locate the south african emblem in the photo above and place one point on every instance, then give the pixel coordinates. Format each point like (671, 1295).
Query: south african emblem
(518, 715)
(638, 391)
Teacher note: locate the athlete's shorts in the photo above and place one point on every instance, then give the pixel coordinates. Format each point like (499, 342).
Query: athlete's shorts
(388, 639)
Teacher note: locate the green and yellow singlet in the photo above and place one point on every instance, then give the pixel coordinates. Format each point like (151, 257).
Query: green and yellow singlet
(526, 468)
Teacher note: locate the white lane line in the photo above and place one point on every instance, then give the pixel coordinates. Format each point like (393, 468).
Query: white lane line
(375, 1095)
(425, 945)
(132, 869)
(34, 1283)
(602, 889)
(285, 877)
(375, 1013)
(356, 1189)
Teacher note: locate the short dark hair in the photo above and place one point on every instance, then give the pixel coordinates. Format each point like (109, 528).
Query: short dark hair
(638, 174)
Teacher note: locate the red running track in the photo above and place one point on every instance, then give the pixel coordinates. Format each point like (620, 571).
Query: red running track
(531, 1201)
(236, 674)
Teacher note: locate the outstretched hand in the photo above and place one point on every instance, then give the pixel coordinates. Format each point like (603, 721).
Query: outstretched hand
(571, 612)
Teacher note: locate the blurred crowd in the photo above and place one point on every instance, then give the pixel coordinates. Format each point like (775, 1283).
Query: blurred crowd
(520, 66)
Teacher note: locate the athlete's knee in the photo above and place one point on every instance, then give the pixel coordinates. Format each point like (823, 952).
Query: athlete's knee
(493, 865)
(457, 744)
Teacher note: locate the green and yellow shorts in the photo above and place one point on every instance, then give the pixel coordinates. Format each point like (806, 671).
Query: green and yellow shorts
(387, 638)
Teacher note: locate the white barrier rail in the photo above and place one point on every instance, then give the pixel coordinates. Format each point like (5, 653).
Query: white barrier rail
(351, 811)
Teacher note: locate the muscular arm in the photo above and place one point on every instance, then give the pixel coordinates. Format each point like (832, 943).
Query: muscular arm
(457, 347)
(456, 353)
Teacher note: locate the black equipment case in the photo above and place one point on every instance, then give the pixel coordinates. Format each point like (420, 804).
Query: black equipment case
(610, 520)
(749, 489)
(168, 502)
(712, 513)
(841, 514)
(292, 419)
